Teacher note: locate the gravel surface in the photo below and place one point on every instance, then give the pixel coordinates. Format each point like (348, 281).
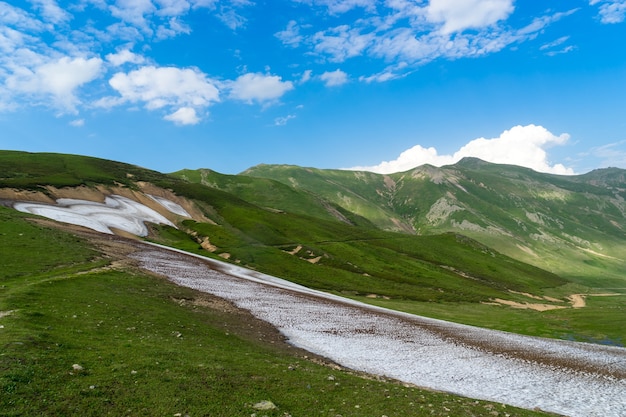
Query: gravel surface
(575, 379)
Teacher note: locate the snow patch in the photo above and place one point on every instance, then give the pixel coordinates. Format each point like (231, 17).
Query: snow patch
(170, 205)
(411, 348)
(116, 212)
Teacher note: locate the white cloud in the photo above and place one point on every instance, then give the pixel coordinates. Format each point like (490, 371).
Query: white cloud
(154, 17)
(261, 88)
(124, 56)
(77, 122)
(19, 18)
(171, 28)
(232, 19)
(611, 154)
(58, 78)
(521, 145)
(161, 86)
(51, 11)
(281, 121)
(209, 4)
(291, 35)
(334, 78)
(182, 90)
(134, 12)
(551, 47)
(306, 76)
(341, 6)
(408, 34)
(554, 43)
(611, 11)
(342, 42)
(172, 7)
(538, 24)
(457, 15)
(230, 14)
(183, 116)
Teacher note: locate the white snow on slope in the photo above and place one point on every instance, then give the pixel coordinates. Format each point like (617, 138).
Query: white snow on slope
(170, 205)
(425, 352)
(116, 212)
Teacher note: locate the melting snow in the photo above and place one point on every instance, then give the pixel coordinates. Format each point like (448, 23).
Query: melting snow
(170, 205)
(575, 379)
(116, 212)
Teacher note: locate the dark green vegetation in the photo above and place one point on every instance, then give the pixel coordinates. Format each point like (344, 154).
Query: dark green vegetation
(81, 339)
(574, 226)
(355, 234)
(33, 171)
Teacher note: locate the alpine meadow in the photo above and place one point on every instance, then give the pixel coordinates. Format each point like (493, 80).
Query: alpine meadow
(87, 329)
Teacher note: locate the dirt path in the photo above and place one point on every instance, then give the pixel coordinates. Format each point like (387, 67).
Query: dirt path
(575, 301)
(578, 300)
(569, 378)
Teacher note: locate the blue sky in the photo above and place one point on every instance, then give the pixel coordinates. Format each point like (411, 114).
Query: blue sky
(380, 85)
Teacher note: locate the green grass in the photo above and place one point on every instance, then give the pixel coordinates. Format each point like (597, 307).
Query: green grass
(601, 321)
(145, 347)
(511, 205)
(407, 271)
(448, 270)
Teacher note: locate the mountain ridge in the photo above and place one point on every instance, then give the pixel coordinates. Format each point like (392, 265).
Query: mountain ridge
(513, 208)
(359, 234)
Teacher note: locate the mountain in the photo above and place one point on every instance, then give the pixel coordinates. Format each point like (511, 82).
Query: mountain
(451, 242)
(574, 226)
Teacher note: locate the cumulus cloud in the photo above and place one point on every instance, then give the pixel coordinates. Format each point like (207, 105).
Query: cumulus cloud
(260, 88)
(183, 116)
(57, 78)
(334, 78)
(182, 90)
(45, 56)
(457, 15)
(611, 11)
(521, 145)
(124, 56)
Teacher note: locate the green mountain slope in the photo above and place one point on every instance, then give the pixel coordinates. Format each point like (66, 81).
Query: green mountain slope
(571, 225)
(82, 338)
(272, 194)
(331, 254)
(296, 234)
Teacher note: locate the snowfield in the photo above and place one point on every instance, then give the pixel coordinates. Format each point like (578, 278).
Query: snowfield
(575, 379)
(116, 212)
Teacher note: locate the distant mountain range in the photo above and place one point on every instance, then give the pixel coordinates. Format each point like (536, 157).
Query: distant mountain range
(571, 225)
(458, 242)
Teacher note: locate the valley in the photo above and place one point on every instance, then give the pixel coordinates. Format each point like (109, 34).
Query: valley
(495, 247)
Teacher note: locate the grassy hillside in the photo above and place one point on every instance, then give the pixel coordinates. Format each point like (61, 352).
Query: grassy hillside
(79, 338)
(445, 275)
(362, 193)
(574, 226)
(272, 194)
(26, 170)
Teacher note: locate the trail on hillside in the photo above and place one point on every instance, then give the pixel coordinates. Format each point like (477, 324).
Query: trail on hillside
(569, 378)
